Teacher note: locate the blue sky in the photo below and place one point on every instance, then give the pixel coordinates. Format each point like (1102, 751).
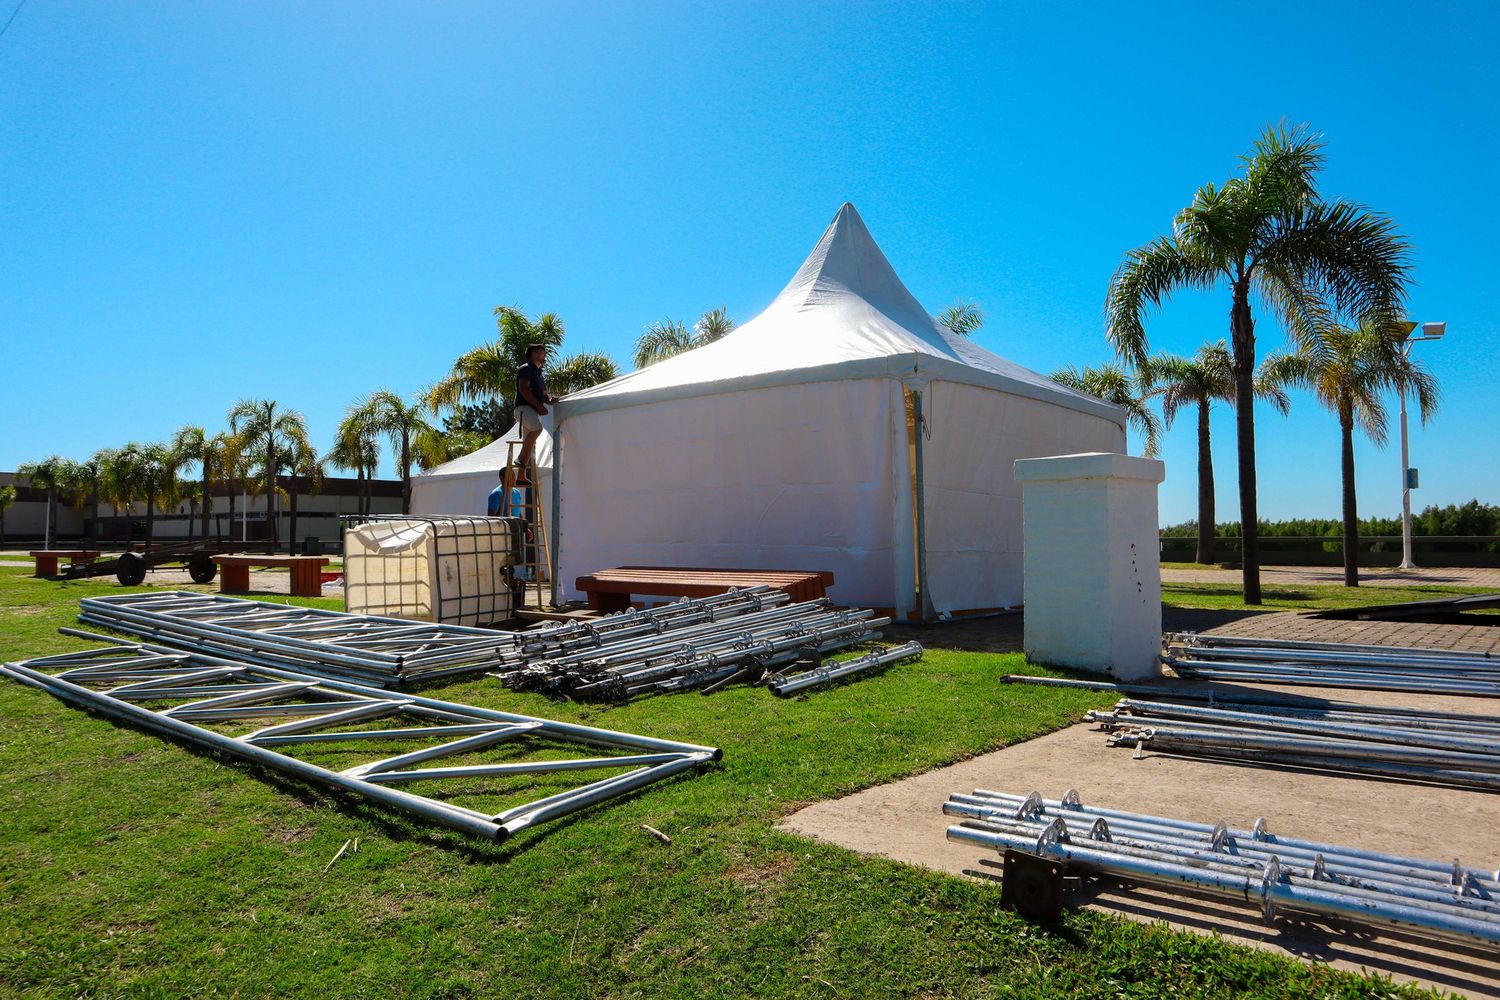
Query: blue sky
(206, 201)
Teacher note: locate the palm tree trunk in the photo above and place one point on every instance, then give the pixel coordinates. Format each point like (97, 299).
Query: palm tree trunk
(291, 542)
(207, 500)
(1242, 327)
(271, 492)
(51, 532)
(232, 505)
(405, 474)
(150, 519)
(1351, 516)
(1206, 525)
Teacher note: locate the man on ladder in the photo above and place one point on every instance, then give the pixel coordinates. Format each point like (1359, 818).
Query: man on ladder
(532, 400)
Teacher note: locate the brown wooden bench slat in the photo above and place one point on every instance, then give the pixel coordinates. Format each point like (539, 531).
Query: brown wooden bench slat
(234, 572)
(610, 589)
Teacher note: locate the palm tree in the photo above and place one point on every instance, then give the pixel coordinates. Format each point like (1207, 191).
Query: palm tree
(1265, 233)
(1113, 385)
(267, 434)
(580, 371)
(1349, 370)
(147, 472)
(390, 415)
(489, 371)
(356, 446)
(961, 318)
(194, 445)
(305, 468)
(225, 453)
(1200, 381)
(7, 497)
(84, 482)
(50, 474)
(669, 337)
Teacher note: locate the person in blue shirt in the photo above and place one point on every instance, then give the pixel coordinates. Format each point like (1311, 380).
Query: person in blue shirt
(510, 503)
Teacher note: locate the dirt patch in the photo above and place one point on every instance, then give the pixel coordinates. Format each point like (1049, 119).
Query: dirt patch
(768, 875)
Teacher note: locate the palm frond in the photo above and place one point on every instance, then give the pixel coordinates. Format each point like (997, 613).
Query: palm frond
(661, 341)
(962, 318)
(1145, 278)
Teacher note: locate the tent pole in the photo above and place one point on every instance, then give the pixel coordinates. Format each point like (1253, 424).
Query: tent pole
(556, 507)
(924, 596)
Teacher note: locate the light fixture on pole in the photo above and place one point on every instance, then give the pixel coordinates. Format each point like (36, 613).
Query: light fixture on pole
(1430, 331)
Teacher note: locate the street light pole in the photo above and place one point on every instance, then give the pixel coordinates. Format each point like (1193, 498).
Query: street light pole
(1430, 331)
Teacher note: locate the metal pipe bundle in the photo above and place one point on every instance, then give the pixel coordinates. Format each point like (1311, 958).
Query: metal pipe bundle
(1328, 664)
(181, 695)
(378, 650)
(706, 657)
(1379, 889)
(1406, 743)
(817, 677)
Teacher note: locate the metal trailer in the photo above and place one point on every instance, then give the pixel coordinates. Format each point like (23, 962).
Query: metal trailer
(203, 699)
(130, 568)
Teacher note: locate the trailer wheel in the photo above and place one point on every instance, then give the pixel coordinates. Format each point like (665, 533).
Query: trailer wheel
(202, 568)
(131, 569)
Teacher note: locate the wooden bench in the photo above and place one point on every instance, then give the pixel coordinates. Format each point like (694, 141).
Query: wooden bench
(46, 559)
(609, 590)
(307, 571)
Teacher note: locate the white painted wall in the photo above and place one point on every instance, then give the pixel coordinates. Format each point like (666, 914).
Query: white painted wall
(1092, 562)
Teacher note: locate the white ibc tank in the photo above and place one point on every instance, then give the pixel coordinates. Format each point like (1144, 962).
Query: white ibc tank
(435, 569)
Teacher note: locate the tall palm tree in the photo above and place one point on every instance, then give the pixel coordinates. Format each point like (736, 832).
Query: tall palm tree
(961, 318)
(84, 482)
(1113, 385)
(390, 415)
(147, 472)
(193, 445)
(305, 468)
(1205, 378)
(267, 433)
(669, 337)
(580, 371)
(7, 497)
(356, 446)
(50, 474)
(489, 371)
(1349, 370)
(226, 457)
(1268, 234)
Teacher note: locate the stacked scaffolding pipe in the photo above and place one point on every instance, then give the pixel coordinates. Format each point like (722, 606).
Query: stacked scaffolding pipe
(1291, 875)
(1325, 664)
(1459, 750)
(182, 695)
(379, 650)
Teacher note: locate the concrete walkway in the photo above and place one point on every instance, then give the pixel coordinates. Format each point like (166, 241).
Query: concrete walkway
(904, 820)
(1468, 577)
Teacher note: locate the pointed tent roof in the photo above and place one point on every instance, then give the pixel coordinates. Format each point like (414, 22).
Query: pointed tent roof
(845, 314)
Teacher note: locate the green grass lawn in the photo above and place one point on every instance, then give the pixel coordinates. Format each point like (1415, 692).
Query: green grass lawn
(1299, 597)
(134, 867)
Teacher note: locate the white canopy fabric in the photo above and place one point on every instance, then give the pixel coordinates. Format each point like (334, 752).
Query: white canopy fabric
(463, 485)
(785, 445)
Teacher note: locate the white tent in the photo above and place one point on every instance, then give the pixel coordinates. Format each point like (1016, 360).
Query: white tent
(787, 445)
(463, 485)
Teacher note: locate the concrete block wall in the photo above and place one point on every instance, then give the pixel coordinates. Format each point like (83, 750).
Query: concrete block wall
(1092, 562)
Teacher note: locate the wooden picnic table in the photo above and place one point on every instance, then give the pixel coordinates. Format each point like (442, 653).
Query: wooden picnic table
(307, 581)
(46, 559)
(609, 590)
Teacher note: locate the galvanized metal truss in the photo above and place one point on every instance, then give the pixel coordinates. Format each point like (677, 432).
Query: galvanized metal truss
(1284, 874)
(385, 651)
(173, 693)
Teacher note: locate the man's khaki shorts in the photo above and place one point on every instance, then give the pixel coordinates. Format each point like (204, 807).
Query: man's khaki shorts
(529, 419)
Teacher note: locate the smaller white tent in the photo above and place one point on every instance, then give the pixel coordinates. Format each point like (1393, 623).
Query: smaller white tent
(463, 485)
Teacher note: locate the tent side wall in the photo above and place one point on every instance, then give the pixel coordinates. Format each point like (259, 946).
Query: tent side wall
(972, 501)
(784, 477)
